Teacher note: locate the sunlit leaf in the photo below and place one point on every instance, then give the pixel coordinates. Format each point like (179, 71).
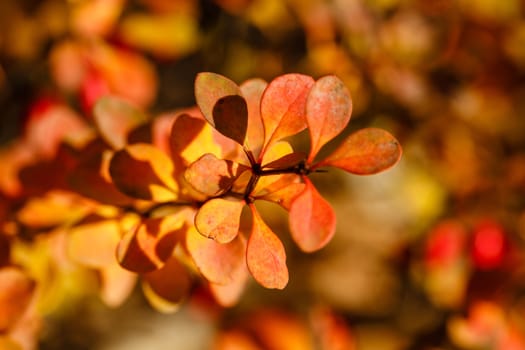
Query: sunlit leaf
(115, 118)
(367, 151)
(191, 138)
(232, 119)
(328, 110)
(228, 295)
(116, 284)
(145, 172)
(7, 343)
(93, 244)
(167, 287)
(212, 176)
(280, 189)
(151, 244)
(95, 18)
(265, 255)
(219, 263)
(283, 106)
(252, 91)
(16, 291)
(286, 161)
(219, 219)
(312, 219)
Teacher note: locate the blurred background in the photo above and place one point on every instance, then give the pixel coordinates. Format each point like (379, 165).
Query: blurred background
(428, 255)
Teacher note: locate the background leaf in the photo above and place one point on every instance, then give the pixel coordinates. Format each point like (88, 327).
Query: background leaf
(115, 118)
(328, 111)
(16, 291)
(265, 255)
(312, 219)
(143, 171)
(366, 151)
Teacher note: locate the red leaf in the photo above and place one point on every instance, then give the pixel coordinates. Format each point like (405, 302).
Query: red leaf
(219, 263)
(312, 219)
(222, 105)
(328, 110)
(151, 244)
(212, 176)
(367, 151)
(167, 287)
(145, 172)
(252, 90)
(16, 291)
(115, 118)
(265, 255)
(283, 106)
(219, 219)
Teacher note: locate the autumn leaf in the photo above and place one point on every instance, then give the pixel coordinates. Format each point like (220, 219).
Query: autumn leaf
(222, 105)
(312, 219)
(366, 151)
(93, 244)
(281, 189)
(219, 219)
(142, 171)
(115, 118)
(219, 263)
(283, 106)
(150, 244)
(167, 287)
(212, 176)
(116, 284)
(328, 110)
(265, 255)
(252, 90)
(16, 291)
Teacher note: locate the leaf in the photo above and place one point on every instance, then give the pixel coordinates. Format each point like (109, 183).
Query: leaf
(219, 219)
(167, 287)
(286, 161)
(93, 244)
(283, 106)
(145, 172)
(16, 292)
(252, 91)
(265, 255)
(116, 284)
(219, 263)
(212, 176)
(328, 111)
(281, 189)
(115, 118)
(191, 138)
(212, 87)
(367, 151)
(151, 244)
(230, 117)
(312, 219)
(227, 295)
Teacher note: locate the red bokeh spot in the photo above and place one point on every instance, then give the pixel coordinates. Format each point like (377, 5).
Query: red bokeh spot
(488, 245)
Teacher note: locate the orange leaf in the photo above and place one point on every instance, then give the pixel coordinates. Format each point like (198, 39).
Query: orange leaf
(280, 189)
(252, 91)
(219, 263)
(116, 284)
(367, 151)
(265, 255)
(93, 244)
(283, 106)
(328, 110)
(167, 287)
(151, 244)
(16, 291)
(312, 219)
(190, 138)
(212, 176)
(115, 118)
(228, 295)
(145, 172)
(219, 219)
(222, 105)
